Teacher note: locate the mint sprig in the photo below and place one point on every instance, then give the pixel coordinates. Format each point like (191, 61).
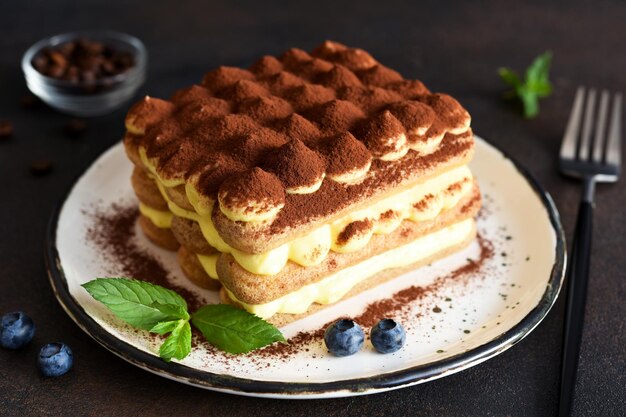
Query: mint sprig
(162, 311)
(536, 84)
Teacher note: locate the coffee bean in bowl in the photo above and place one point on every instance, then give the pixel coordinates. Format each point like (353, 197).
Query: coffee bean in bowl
(85, 73)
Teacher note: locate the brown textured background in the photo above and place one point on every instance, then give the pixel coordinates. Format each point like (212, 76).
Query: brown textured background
(454, 47)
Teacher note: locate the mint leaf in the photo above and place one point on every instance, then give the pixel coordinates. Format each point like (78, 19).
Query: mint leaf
(539, 70)
(510, 77)
(178, 344)
(530, 102)
(233, 330)
(136, 302)
(536, 84)
(173, 310)
(164, 327)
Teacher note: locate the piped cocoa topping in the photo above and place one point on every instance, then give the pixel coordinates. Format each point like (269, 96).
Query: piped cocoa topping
(266, 108)
(146, 113)
(354, 229)
(383, 134)
(227, 127)
(356, 59)
(251, 148)
(222, 77)
(295, 165)
(339, 76)
(413, 115)
(197, 112)
(252, 192)
(370, 99)
(328, 50)
(266, 66)
(158, 136)
(283, 81)
(336, 116)
(295, 57)
(184, 155)
(380, 76)
(449, 109)
(244, 89)
(238, 117)
(306, 96)
(216, 171)
(314, 68)
(345, 154)
(409, 89)
(297, 127)
(194, 94)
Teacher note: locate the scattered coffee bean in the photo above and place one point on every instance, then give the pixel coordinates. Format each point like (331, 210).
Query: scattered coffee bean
(6, 129)
(41, 167)
(75, 128)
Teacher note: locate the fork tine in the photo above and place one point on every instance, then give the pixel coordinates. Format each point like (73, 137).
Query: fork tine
(585, 138)
(568, 146)
(598, 141)
(614, 147)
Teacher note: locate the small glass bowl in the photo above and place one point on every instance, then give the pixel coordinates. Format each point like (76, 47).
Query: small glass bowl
(82, 98)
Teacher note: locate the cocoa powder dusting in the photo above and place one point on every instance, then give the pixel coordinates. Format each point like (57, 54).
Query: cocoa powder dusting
(113, 232)
(397, 305)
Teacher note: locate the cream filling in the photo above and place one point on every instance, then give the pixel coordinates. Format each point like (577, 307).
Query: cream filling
(352, 177)
(334, 287)
(312, 249)
(209, 263)
(250, 211)
(398, 153)
(160, 218)
(306, 189)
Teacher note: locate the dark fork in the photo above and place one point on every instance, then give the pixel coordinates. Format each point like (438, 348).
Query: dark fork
(593, 160)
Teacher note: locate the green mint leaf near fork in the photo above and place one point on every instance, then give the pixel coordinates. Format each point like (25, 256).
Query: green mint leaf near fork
(159, 310)
(536, 84)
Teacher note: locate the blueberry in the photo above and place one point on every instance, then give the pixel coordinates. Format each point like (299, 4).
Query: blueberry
(344, 337)
(16, 330)
(387, 336)
(55, 359)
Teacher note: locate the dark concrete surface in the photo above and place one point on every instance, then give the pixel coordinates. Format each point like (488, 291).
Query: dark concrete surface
(454, 47)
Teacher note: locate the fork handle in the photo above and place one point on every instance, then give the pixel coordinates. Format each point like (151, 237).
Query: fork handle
(575, 305)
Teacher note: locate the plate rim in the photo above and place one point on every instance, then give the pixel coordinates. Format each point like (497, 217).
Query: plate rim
(346, 387)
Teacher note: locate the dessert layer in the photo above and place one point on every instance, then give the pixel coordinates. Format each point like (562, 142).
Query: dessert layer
(160, 218)
(292, 140)
(349, 233)
(194, 271)
(260, 289)
(161, 236)
(334, 287)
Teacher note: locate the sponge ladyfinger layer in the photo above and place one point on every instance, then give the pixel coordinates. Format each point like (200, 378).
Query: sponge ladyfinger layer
(162, 237)
(259, 289)
(282, 319)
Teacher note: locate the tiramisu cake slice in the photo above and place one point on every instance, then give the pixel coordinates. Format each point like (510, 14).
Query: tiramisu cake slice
(303, 179)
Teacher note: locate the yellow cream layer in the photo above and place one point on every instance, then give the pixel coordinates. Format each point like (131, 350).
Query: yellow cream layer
(159, 218)
(312, 249)
(209, 263)
(334, 287)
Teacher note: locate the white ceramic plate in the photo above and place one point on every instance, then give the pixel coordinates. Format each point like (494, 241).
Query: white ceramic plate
(476, 318)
